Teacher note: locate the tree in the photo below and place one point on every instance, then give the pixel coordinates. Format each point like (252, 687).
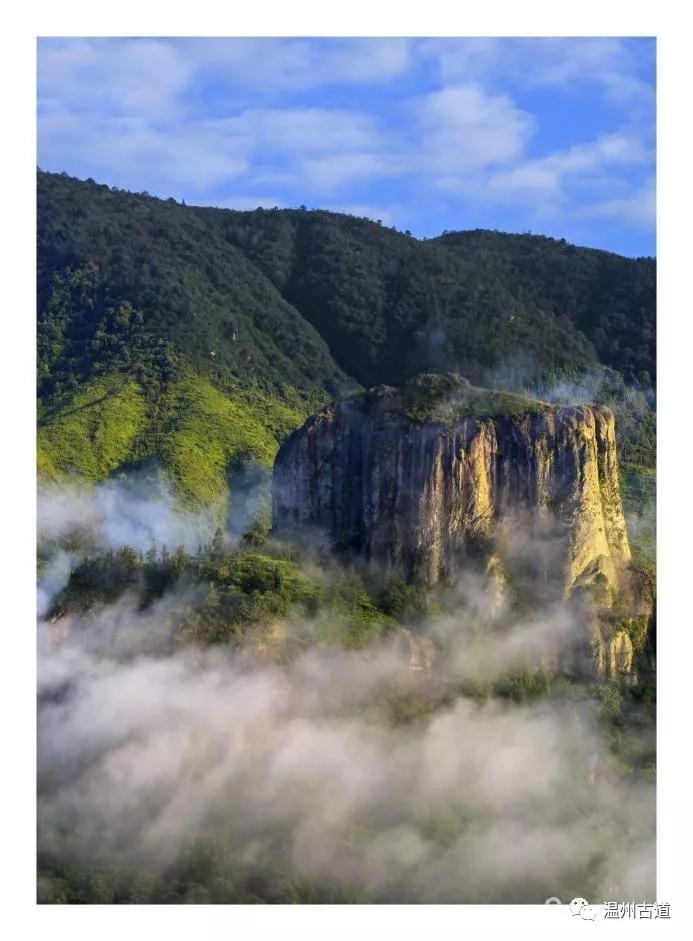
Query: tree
(218, 541)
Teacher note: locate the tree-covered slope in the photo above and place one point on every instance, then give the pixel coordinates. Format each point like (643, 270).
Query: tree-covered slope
(120, 275)
(199, 336)
(390, 305)
(611, 300)
(247, 286)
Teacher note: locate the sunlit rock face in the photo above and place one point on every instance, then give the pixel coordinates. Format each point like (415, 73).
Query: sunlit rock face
(424, 478)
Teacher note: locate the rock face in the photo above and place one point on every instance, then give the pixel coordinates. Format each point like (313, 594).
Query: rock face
(420, 480)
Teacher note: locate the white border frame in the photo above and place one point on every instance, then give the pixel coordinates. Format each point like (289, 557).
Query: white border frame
(19, 916)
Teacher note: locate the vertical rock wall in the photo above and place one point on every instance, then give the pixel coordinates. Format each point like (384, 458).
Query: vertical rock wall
(422, 496)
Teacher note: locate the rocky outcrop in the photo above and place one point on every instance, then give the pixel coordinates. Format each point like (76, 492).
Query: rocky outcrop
(423, 478)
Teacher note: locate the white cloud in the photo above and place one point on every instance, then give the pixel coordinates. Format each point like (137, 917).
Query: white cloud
(561, 61)
(337, 170)
(129, 77)
(546, 62)
(547, 176)
(117, 109)
(367, 61)
(464, 127)
(638, 208)
(302, 130)
(131, 153)
(318, 149)
(147, 76)
(273, 65)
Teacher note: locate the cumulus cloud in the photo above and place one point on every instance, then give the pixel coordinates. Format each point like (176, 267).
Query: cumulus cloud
(138, 77)
(616, 65)
(464, 127)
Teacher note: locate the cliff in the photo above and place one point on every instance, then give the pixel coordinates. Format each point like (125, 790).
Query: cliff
(438, 475)
(422, 477)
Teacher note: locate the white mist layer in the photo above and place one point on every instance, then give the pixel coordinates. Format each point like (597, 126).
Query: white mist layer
(298, 770)
(136, 512)
(141, 754)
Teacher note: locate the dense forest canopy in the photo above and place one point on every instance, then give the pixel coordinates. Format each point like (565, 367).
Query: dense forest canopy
(385, 303)
(278, 311)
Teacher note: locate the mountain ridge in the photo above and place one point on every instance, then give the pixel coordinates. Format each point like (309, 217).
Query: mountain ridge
(283, 311)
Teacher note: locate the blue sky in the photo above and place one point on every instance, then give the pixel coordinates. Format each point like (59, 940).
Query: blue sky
(554, 136)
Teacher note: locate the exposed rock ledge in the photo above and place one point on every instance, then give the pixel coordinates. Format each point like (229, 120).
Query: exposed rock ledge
(421, 478)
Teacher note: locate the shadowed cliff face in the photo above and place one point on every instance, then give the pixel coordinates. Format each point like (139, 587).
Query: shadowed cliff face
(438, 477)
(422, 487)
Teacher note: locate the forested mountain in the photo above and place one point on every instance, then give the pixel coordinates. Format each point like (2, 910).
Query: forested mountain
(611, 300)
(388, 304)
(119, 274)
(154, 315)
(217, 681)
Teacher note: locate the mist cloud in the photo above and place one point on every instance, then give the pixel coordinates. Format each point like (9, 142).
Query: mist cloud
(382, 775)
(136, 512)
(300, 773)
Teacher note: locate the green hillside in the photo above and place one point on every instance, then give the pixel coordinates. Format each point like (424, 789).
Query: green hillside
(199, 337)
(94, 431)
(198, 436)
